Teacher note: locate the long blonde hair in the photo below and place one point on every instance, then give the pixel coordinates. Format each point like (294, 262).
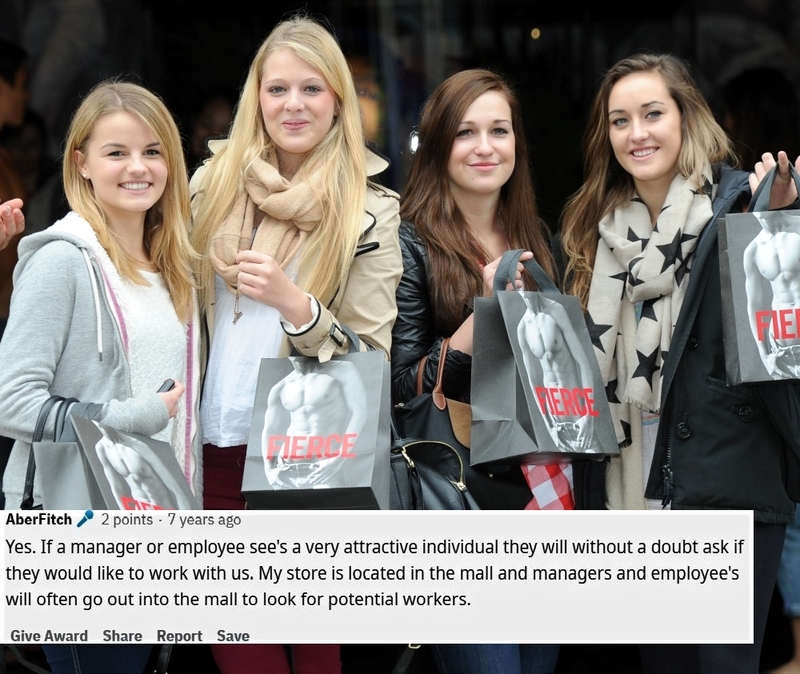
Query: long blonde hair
(166, 241)
(607, 185)
(339, 156)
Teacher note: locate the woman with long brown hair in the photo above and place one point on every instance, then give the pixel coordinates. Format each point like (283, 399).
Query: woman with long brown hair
(468, 199)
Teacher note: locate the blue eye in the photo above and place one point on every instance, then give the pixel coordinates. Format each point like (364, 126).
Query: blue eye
(275, 90)
(654, 114)
(463, 133)
(619, 121)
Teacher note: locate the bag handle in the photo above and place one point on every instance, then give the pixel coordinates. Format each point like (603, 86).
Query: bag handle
(438, 389)
(760, 199)
(507, 271)
(38, 434)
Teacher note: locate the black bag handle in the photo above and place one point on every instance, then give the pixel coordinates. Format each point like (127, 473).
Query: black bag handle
(760, 199)
(507, 271)
(38, 434)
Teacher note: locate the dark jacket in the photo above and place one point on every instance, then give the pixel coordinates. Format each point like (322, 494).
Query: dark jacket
(718, 446)
(414, 333)
(414, 336)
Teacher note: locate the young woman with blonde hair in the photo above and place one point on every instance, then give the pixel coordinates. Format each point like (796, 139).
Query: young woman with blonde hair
(641, 242)
(296, 242)
(103, 307)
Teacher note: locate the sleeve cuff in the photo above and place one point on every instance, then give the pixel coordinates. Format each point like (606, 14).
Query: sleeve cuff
(289, 329)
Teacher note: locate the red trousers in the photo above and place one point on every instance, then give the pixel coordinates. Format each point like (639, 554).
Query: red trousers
(222, 490)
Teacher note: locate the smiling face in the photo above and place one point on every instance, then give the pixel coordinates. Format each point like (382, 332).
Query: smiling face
(644, 127)
(298, 106)
(124, 162)
(482, 156)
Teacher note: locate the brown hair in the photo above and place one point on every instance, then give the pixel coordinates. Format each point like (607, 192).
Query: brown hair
(455, 274)
(607, 185)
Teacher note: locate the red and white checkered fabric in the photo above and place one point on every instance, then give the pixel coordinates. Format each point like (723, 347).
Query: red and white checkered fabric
(551, 486)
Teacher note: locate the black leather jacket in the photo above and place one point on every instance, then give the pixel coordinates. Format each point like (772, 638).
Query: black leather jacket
(414, 334)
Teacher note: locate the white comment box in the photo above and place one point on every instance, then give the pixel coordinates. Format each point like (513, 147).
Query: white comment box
(378, 577)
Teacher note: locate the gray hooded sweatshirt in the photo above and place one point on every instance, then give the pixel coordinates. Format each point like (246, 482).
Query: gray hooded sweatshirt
(66, 336)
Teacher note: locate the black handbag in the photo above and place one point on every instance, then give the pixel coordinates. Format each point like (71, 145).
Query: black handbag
(430, 458)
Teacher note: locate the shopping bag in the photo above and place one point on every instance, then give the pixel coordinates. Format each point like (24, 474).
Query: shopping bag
(320, 435)
(537, 393)
(57, 470)
(760, 282)
(133, 471)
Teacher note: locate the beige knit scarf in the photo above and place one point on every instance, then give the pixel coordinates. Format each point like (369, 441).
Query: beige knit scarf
(637, 289)
(636, 293)
(273, 216)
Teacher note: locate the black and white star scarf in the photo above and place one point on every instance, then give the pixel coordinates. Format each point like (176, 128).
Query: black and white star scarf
(639, 263)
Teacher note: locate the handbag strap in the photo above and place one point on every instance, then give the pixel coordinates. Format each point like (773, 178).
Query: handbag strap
(760, 199)
(438, 389)
(22, 660)
(162, 661)
(38, 434)
(507, 271)
(44, 413)
(404, 660)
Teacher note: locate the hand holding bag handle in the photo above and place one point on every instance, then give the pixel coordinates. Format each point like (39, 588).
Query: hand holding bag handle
(507, 272)
(38, 435)
(760, 200)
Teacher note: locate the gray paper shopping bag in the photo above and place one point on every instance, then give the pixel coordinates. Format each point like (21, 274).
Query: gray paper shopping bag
(320, 435)
(760, 281)
(134, 472)
(537, 393)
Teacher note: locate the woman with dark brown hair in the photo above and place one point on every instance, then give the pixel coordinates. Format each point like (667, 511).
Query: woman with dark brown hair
(468, 199)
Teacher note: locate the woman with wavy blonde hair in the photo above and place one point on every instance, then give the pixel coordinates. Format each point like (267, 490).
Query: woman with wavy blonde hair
(296, 242)
(641, 239)
(103, 308)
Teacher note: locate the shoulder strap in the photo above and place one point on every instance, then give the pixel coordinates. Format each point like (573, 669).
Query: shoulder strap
(437, 387)
(438, 390)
